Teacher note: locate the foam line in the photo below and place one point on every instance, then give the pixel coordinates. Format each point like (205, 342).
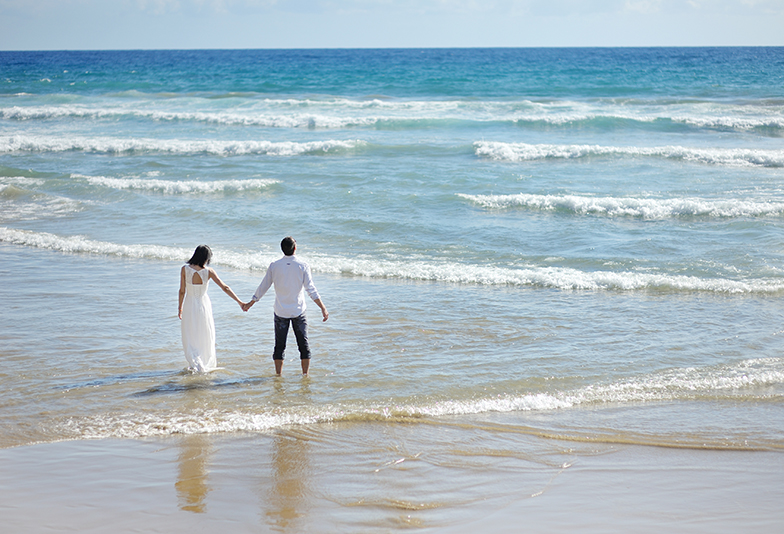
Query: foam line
(421, 270)
(520, 152)
(645, 208)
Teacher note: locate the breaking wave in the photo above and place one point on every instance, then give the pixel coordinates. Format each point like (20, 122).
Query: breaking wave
(347, 113)
(645, 208)
(745, 380)
(519, 152)
(419, 270)
(180, 186)
(106, 145)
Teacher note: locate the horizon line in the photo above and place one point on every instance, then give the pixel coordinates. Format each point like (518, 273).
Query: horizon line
(565, 47)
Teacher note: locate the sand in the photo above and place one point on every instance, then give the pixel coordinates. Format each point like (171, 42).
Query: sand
(246, 483)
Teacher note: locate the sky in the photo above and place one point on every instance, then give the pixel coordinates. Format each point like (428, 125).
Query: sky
(204, 24)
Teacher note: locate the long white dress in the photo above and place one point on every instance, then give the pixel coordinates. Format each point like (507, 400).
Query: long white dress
(198, 325)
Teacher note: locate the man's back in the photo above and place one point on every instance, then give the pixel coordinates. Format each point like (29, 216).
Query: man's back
(291, 278)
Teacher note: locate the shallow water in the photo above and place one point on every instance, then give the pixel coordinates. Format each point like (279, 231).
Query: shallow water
(668, 369)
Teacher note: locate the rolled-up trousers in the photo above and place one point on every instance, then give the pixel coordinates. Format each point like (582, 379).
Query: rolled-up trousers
(300, 327)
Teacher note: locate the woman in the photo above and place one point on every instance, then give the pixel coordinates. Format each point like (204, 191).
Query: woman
(195, 311)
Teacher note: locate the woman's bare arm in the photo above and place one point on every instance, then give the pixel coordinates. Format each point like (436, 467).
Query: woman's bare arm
(182, 291)
(226, 289)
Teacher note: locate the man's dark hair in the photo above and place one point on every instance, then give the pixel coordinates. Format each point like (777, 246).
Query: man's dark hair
(201, 256)
(288, 245)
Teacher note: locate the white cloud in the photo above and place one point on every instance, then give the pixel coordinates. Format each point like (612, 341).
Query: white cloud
(114, 24)
(159, 7)
(645, 7)
(765, 6)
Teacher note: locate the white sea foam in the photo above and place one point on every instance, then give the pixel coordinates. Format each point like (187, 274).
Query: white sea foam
(23, 181)
(262, 118)
(18, 203)
(746, 379)
(749, 379)
(80, 244)
(733, 122)
(55, 112)
(740, 123)
(44, 209)
(342, 113)
(519, 152)
(417, 269)
(208, 421)
(540, 276)
(646, 208)
(23, 143)
(689, 383)
(267, 120)
(180, 186)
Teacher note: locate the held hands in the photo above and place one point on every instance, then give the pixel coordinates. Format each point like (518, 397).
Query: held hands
(247, 305)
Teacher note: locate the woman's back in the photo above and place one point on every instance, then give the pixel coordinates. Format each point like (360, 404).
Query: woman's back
(196, 281)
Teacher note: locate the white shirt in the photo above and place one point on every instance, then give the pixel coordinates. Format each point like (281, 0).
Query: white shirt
(291, 278)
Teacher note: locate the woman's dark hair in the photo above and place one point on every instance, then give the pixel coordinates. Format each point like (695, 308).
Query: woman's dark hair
(201, 256)
(288, 245)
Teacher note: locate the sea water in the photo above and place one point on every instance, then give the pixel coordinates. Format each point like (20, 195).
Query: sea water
(523, 251)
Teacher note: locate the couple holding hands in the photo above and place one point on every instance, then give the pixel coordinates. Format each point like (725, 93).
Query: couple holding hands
(291, 278)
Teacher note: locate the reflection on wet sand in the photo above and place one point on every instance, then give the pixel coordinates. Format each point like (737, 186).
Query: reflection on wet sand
(192, 485)
(287, 495)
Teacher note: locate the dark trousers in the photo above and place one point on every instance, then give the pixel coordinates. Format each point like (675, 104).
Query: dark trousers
(300, 327)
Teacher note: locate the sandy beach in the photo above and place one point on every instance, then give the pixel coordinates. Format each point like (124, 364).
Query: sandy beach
(288, 481)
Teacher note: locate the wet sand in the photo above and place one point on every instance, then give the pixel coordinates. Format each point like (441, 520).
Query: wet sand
(284, 482)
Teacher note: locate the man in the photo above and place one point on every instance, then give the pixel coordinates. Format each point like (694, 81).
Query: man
(291, 278)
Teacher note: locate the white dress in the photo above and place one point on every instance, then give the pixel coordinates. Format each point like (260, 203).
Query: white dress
(198, 326)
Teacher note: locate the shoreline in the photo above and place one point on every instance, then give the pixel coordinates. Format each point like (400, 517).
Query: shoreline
(282, 481)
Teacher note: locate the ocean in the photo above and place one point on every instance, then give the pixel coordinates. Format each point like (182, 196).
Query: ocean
(532, 259)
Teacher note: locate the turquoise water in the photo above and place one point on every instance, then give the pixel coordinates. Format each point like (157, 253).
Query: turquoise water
(587, 243)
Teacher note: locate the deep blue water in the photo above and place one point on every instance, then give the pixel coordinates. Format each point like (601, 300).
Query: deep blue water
(547, 73)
